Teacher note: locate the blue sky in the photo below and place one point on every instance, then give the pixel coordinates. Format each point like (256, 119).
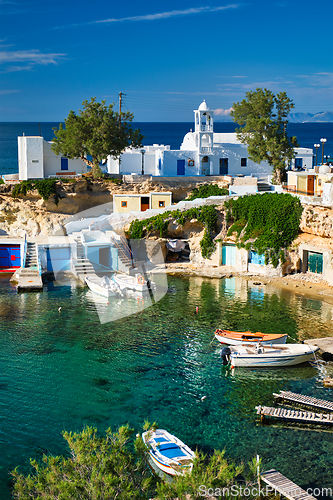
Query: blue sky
(165, 56)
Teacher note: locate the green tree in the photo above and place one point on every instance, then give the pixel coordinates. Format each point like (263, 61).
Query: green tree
(97, 131)
(100, 468)
(263, 117)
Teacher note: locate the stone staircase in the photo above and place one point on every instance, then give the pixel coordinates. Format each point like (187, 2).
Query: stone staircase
(28, 277)
(82, 266)
(124, 251)
(263, 187)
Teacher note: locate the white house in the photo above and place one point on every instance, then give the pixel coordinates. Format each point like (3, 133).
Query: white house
(37, 160)
(202, 152)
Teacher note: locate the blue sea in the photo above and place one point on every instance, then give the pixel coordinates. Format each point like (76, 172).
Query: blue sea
(168, 133)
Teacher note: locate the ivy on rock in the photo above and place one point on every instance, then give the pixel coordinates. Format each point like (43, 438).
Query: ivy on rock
(266, 223)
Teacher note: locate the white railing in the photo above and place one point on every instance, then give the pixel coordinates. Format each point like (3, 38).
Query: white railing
(206, 128)
(206, 150)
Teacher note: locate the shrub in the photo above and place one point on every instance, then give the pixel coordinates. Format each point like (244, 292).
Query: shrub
(207, 190)
(45, 188)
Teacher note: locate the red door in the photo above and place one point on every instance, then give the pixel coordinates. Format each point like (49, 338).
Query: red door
(144, 203)
(311, 179)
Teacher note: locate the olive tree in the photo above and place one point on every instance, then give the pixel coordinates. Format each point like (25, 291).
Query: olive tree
(97, 131)
(263, 117)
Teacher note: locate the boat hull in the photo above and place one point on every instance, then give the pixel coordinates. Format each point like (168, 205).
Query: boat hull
(271, 359)
(100, 290)
(240, 338)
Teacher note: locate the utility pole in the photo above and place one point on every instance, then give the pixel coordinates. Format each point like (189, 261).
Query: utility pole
(120, 103)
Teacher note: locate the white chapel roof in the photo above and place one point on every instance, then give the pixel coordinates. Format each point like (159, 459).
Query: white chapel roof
(203, 106)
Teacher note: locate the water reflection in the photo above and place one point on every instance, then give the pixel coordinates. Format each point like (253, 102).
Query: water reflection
(63, 370)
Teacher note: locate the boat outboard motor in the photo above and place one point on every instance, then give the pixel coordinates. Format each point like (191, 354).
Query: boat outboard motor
(225, 355)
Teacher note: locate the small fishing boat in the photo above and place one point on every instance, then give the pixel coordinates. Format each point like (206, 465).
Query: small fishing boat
(136, 283)
(167, 453)
(264, 356)
(102, 286)
(239, 338)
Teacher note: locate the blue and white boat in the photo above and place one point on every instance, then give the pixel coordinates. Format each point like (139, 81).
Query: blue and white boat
(264, 356)
(167, 453)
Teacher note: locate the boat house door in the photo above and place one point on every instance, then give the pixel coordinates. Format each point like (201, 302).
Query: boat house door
(228, 255)
(315, 262)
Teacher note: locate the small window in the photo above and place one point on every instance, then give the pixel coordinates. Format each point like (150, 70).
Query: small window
(243, 162)
(319, 182)
(34, 161)
(161, 203)
(124, 203)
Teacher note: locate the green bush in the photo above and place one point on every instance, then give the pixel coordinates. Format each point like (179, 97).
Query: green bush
(1, 180)
(270, 222)
(115, 467)
(207, 190)
(45, 188)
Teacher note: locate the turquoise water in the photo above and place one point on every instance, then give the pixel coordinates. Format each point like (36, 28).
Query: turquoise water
(64, 370)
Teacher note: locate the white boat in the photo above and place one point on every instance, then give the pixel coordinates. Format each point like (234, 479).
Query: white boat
(239, 338)
(264, 356)
(167, 453)
(102, 286)
(136, 283)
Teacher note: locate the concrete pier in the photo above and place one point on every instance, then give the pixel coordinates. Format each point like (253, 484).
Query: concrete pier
(326, 347)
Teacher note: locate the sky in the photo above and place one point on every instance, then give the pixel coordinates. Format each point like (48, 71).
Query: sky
(166, 57)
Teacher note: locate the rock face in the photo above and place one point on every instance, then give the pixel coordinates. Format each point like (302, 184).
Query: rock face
(317, 221)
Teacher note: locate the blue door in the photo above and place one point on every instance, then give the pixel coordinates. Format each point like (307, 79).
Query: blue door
(228, 255)
(64, 163)
(180, 167)
(223, 166)
(10, 256)
(58, 259)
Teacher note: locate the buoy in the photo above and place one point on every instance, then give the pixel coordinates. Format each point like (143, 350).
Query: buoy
(59, 309)
(203, 398)
(196, 310)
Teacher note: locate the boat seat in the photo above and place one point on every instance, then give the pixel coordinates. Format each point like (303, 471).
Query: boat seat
(171, 450)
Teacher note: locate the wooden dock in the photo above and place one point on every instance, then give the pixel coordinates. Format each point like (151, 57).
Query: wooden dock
(284, 486)
(295, 415)
(301, 399)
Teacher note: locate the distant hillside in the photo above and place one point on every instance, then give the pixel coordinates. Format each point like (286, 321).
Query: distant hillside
(324, 117)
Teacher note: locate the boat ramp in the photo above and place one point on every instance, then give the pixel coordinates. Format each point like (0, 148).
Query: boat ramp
(301, 399)
(303, 416)
(284, 486)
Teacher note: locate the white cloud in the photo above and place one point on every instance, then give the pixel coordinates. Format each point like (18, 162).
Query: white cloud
(161, 15)
(26, 59)
(222, 112)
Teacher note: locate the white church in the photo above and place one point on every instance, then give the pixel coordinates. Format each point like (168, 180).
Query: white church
(202, 153)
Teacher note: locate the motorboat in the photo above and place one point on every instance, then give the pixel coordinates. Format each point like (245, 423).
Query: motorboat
(102, 286)
(239, 338)
(167, 453)
(136, 283)
(267, 356)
